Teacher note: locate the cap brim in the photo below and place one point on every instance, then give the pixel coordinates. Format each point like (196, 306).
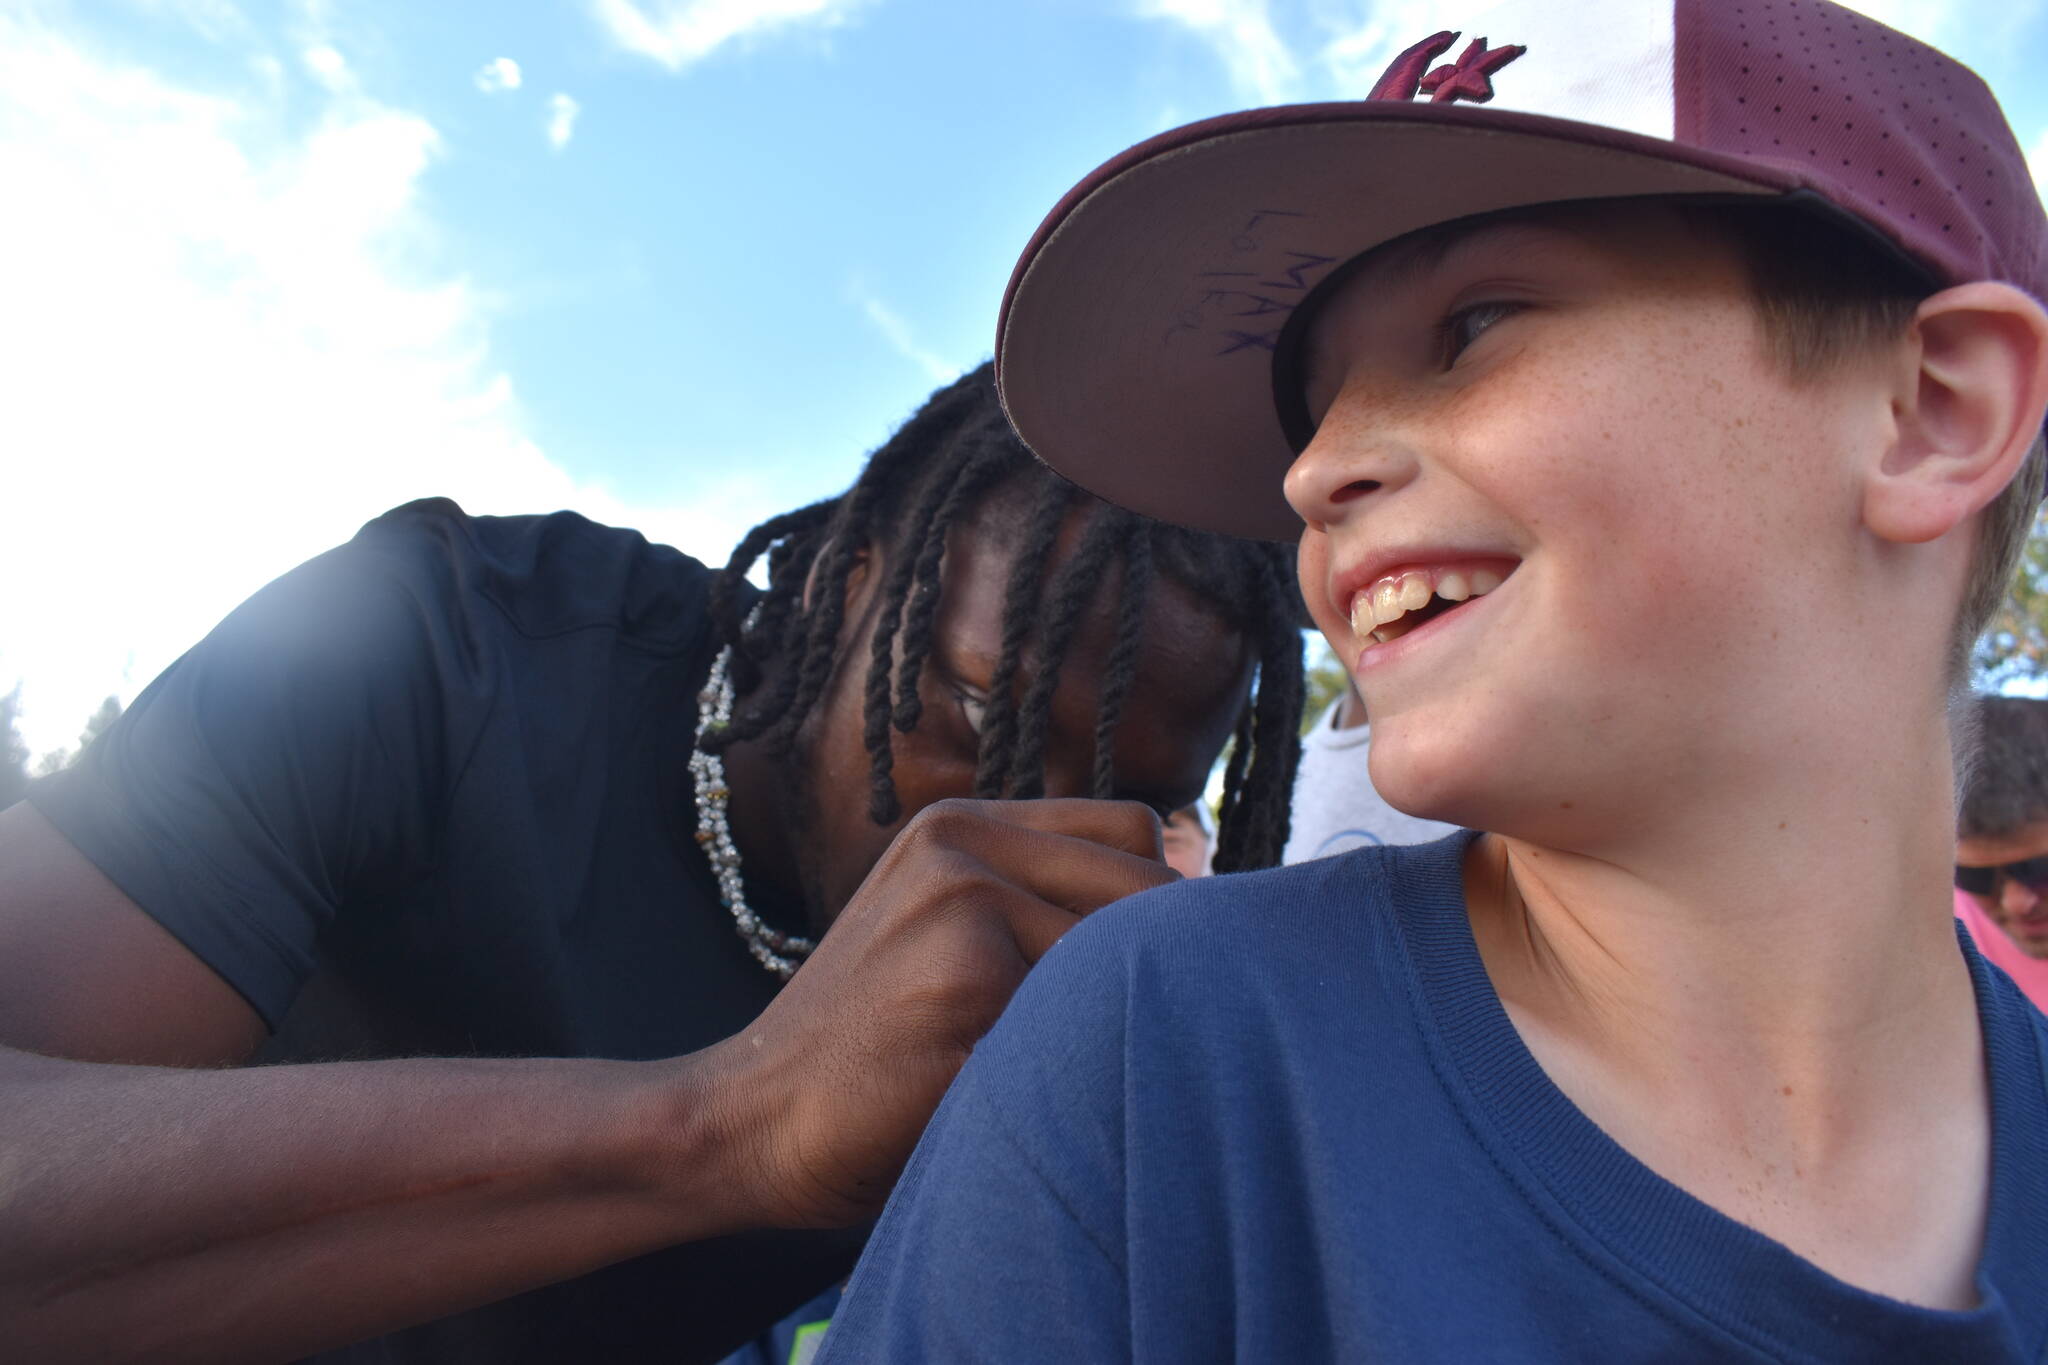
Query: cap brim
(1134, 351)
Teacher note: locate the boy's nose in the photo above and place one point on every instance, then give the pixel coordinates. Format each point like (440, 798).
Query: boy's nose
(1348, 460)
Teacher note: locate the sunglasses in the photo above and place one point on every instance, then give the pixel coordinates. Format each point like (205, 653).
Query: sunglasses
(2031, 873)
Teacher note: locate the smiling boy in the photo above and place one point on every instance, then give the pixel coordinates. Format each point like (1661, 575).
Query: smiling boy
(1727, 389)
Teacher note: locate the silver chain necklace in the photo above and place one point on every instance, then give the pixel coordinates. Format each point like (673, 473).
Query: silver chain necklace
(780, 953)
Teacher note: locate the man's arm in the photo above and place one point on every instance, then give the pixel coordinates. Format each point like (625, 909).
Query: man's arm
(153, 1211)
(89, 976)
(258, 1214)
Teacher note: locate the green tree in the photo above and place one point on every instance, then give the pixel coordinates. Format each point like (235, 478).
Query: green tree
(1325, 680)
(13, 751)
(98, 723)
(2015, 646)
(58, 759)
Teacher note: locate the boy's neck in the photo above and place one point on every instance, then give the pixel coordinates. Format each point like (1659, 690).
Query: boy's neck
(1779, 979)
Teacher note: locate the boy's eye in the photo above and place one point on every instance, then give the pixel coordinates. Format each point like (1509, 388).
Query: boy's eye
(1461, 328)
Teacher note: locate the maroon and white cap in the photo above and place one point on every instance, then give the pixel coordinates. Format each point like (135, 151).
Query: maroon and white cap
(1136, 344)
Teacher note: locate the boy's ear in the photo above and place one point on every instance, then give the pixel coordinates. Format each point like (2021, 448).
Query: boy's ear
(1972, 382)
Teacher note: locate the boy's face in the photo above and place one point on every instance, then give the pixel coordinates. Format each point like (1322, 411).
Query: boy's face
(2012, 905)
(1578, 405)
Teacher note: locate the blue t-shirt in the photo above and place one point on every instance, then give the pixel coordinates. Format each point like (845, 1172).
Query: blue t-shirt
(1284, 1117)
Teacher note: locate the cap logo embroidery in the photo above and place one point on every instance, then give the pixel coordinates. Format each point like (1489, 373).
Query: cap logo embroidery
(1468, 78)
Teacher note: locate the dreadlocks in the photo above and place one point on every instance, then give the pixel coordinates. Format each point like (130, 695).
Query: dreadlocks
(932, 474)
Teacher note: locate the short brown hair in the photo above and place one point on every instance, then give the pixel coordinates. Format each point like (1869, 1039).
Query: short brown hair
(2007, 786)
(1828, 293)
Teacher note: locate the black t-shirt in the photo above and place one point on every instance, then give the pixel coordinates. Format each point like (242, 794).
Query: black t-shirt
(428, 795)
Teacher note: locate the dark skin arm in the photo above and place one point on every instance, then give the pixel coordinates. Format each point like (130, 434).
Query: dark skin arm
(157, 1203)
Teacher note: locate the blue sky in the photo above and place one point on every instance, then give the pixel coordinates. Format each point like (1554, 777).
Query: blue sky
(271, 268)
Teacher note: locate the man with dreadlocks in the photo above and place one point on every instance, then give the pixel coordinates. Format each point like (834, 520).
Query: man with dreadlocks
(471, 792)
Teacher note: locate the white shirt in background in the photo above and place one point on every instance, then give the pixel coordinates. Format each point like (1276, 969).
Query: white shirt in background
(1335, 806)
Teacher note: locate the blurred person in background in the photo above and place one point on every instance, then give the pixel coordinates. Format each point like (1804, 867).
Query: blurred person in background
(1186, 836)
(2002, 841)
(1336, 808)
(500, 842)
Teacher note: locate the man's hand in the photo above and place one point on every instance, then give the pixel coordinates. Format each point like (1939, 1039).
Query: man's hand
(835, 1081)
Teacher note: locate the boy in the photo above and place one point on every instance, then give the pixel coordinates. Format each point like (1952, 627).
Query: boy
(2002, 841)
(1641, 462)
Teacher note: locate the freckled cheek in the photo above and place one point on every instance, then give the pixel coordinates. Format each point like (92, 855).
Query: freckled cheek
(1676, 587)
(1616, 463)
(1609, 524)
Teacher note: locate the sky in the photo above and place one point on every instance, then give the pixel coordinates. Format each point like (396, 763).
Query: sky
(268, 269)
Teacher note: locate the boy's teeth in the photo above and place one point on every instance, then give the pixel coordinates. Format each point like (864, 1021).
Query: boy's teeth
(1386, 601)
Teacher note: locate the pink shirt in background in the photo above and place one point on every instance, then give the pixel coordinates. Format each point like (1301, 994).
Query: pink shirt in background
(2030, 974)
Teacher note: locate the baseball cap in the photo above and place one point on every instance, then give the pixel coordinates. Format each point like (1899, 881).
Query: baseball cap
(1136, 348)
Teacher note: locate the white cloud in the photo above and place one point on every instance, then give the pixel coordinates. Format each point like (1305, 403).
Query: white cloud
(562, 112)
(212, 20)
(896, 332)
(1242, 34)
(330, 68)
(228, 342)
(678, 33)
(1926, 20)
(1364, 36)
(499, 73)
(1358, 53)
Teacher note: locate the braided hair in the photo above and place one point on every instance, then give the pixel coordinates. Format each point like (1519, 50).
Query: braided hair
(937, 470)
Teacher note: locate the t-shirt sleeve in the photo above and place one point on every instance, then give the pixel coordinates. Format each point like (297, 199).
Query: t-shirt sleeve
(1004, 1240)
(298, 755)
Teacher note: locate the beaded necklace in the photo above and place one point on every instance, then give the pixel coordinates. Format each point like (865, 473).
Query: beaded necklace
(780, 953)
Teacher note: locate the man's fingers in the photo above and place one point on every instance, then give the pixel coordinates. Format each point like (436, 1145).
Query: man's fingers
(1036, 925)
(1041, 885)
(1074, 872)
(1129, 826)
(919, 964)
(1075, 875)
